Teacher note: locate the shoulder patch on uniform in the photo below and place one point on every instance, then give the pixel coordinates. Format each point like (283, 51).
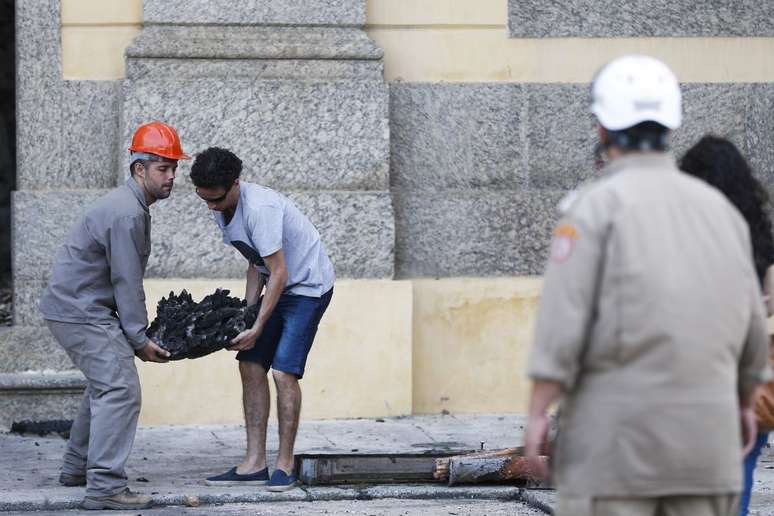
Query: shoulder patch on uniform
(563, 242)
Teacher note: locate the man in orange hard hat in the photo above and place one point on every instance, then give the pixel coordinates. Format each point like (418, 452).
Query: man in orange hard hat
(95, 307)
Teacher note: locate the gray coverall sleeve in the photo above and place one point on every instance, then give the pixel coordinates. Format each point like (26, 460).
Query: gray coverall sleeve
(567, 303)
(127, 244)
(754, 361)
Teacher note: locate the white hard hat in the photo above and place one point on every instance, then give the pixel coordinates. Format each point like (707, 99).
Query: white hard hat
(634, 89)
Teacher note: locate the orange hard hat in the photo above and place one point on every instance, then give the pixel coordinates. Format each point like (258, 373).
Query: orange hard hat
(160, 139)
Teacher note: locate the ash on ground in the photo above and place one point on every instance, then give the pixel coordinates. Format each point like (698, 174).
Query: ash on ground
(191, 330)
(42, 428)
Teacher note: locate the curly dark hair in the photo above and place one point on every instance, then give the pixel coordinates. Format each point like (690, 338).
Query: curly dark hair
(215, 167)
(718, 162)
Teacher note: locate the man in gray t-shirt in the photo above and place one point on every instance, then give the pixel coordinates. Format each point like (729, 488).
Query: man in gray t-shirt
(285, 255)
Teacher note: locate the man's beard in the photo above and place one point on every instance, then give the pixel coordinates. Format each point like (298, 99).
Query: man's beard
(161, 193)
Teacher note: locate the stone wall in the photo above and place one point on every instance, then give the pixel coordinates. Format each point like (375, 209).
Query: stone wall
(303, 102)
(67, 149)
(404, 180)
(472, 172)
(7, 134)
(297, 92)
(632, 18)
(477, 168)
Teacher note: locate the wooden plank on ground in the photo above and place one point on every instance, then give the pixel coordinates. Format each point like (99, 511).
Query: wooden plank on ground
(491, 467)
(511, 469)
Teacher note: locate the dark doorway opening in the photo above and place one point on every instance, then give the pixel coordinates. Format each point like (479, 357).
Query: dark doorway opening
(7, 149)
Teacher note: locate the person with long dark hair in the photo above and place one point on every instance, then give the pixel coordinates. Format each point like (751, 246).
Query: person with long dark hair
(718, 162)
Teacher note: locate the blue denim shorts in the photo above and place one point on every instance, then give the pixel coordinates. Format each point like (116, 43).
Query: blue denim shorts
(289, 333)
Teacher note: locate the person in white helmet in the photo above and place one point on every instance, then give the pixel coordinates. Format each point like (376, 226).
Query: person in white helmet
(651, 328)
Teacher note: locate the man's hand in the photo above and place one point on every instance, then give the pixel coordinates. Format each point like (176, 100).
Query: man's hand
(245, 340)
(544, 392)
(748, 421)
(749, 429)
(536, 444)
(274, 288)
(152, 352)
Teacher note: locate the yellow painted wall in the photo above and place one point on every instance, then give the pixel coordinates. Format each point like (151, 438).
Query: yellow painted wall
(402, 13)
(464, 54)
(467, 41)
(95, 34)
(384, 348)
(471, 339)
(359, 366)
(442, 40)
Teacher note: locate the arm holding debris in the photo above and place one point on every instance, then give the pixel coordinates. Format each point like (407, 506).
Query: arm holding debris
(125, 247)
(152, 352)
(255, 284)
(274, 288)
(265, 223)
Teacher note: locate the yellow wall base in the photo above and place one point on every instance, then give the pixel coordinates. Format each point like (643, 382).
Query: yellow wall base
(359, 366)
(471, 338)
(384, 348)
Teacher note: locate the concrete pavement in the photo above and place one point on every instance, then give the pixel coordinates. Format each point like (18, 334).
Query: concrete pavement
(171, 462)
(384, 507)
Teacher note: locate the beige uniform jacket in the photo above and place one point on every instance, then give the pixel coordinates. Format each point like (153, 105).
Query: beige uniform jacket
(652, 319)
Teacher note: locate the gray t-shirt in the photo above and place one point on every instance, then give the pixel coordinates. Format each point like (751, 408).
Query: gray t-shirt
(266, 221)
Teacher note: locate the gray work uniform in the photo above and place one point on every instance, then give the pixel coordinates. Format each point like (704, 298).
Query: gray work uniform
(95, 307)
(651, 318)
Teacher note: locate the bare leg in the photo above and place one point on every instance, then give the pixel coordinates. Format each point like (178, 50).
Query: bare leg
(288, 411)
(255, 397)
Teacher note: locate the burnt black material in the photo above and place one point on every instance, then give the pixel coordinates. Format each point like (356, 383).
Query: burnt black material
(41, 428)
(191, 330)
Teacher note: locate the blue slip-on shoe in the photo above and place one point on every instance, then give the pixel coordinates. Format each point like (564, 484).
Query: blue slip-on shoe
(231, 478)
(281, 481)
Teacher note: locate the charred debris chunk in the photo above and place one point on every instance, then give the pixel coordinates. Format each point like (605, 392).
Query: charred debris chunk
(42, 428)
(191, 330)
